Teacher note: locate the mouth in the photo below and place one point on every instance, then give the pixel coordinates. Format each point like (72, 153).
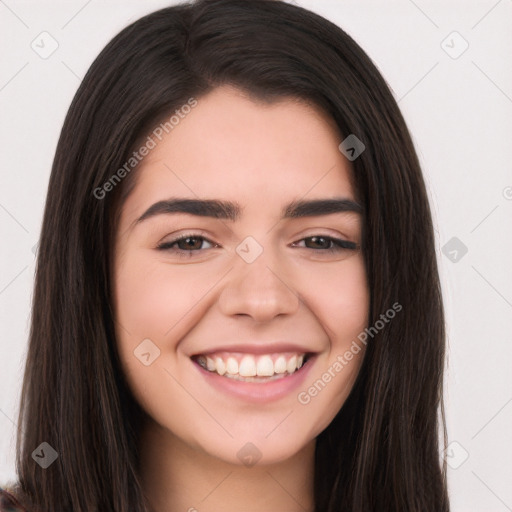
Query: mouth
(255, 368)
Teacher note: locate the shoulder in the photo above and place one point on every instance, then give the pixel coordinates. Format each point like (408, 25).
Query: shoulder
(8, 502)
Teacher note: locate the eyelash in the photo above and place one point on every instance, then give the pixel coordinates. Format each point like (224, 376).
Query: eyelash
(338, 245)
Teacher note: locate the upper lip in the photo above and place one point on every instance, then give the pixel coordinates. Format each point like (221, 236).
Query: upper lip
(257, 348)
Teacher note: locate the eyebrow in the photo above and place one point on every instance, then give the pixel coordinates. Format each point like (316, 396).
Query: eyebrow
(229, 210)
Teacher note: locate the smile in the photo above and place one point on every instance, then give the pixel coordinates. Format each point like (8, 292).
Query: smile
(252, 368)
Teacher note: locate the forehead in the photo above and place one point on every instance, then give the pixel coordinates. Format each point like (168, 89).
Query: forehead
(231, 147)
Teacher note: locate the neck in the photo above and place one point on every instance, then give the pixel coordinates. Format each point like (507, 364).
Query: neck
(177, 477)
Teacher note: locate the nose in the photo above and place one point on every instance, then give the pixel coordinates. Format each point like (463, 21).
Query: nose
(259, 290)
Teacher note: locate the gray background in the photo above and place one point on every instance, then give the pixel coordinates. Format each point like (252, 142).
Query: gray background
(459, 109)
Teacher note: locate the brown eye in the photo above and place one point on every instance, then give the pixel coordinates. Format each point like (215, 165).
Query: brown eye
(322, 241)
(328, 244)
(185, 244)
(191, 242)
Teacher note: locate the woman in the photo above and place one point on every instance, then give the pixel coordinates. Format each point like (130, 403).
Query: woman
(237, 302)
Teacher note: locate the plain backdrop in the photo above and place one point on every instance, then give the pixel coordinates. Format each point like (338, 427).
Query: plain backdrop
(457, 102)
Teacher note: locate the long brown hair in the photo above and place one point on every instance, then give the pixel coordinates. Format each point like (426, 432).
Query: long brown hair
(381, 452)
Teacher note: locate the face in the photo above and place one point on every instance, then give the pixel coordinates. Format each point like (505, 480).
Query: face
(217, 304)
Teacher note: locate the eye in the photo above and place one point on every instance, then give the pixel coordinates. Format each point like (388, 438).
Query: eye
(328, 244)
(188, 244)
(185, 244)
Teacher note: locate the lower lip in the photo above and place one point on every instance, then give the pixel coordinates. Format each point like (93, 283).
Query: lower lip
(259, 392)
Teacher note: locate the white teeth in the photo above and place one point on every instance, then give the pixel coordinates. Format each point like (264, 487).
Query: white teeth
(221, 366)
(232, 366)
(251, 366)
(247, 367)
(265, 367)
(291, 366)
(210, 364)
(280, 365)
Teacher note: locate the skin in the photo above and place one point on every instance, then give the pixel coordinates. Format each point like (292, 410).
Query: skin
(263, 157)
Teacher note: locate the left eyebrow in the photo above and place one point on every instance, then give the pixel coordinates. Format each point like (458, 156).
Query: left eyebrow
(229, 210)
(317, 207)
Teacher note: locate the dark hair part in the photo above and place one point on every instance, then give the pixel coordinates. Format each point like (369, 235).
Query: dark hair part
(381, 452)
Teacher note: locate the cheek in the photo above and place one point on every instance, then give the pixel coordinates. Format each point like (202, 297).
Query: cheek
(141, 295)
(153, 301)
(153, 298)
(340, 297)
(340, 300)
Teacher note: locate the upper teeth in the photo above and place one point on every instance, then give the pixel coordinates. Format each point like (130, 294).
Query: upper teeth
(247, 365)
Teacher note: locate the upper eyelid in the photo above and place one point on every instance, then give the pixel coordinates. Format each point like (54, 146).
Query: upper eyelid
(184, 237)
(215, 244)
(187, 235)
(312, 231)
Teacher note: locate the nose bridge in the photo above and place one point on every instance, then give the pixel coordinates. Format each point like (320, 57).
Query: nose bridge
(257, 285)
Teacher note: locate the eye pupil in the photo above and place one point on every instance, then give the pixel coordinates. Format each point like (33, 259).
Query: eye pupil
(190, 245)
(319, 239)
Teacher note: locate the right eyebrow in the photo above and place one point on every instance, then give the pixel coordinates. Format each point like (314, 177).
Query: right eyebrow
(201, 207)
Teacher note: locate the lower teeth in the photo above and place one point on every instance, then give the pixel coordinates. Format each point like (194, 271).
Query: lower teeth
(256, 379)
